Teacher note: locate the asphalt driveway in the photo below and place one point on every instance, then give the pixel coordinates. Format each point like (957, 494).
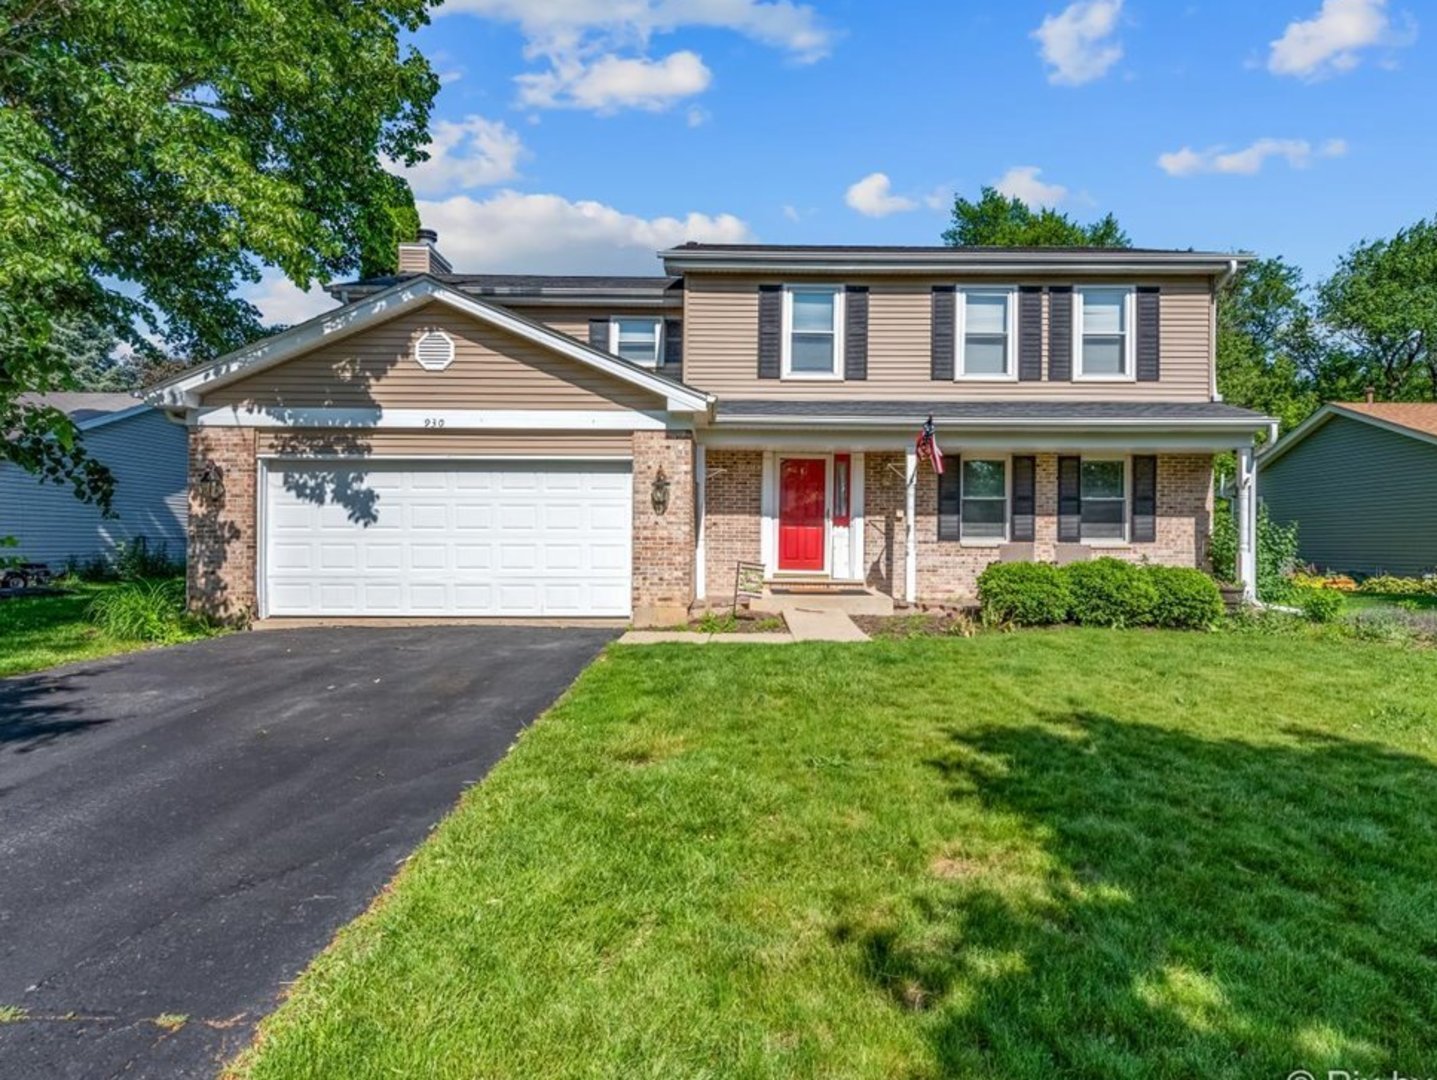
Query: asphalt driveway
(182, 830)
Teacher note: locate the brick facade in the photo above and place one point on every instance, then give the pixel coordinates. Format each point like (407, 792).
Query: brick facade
(946, 568)
(732, 517)
(221, 570)
(664, 544)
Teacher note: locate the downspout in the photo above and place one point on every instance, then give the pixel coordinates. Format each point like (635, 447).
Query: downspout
(1218, 285)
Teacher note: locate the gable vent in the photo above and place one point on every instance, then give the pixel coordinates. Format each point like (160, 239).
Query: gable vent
(434, 350)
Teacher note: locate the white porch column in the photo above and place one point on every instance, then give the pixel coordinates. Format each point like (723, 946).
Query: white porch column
(1247, 523)
(910, 533)
(700, 512)
(768, 509)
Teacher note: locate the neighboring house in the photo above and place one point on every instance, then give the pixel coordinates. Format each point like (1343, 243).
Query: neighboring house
(1360, 481)
(144, 451)
(450, 444)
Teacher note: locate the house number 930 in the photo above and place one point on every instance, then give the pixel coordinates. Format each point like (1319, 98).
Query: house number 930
(434, 421)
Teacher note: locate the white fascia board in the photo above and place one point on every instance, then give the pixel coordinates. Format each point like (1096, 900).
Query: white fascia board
(434, 420)
(951, 426)
(1010, 439)
(185, 390)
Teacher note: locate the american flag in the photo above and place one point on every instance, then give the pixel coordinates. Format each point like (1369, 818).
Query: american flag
(928, 446)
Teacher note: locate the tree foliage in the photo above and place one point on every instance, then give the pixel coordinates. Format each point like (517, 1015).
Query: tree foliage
(1268, 352)
(154, 155)
(996, 220)
(1379, 309)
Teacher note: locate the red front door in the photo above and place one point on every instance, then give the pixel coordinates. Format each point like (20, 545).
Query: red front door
(801, 525)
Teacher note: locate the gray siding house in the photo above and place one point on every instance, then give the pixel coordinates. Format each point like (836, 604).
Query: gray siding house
(144, 450)
(1360, 481)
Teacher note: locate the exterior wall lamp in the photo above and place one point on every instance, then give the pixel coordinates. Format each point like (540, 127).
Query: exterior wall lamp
(659, 496)
(210, 483)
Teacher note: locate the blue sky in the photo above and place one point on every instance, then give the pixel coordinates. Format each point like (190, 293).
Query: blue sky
(577, 136)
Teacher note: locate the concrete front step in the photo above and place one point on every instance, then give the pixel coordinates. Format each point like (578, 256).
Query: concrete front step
(862, 603)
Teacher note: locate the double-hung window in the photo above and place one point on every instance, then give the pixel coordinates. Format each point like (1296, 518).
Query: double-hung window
(986, 333)
(639, 340)
(1103, 334)
(812, 331)
(1103, 491)
(985, 500)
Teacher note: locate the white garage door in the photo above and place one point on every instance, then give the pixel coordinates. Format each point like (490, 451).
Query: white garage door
(517, 538)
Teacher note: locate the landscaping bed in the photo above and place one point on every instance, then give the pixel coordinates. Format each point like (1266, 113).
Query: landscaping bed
(82, 620)
(1032, 854)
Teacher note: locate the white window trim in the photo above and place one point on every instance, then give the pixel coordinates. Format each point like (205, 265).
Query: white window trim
(1011, 333)
(614, 321)
(988, 541)
(1109, 542)
(836, 375)
(1130, 373)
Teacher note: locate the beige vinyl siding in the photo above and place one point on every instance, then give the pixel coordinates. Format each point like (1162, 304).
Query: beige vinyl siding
(301, 442)
(492, 369)
(721, 345)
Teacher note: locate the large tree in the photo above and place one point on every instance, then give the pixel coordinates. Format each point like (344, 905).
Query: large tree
(1379, 310)
(996, 220)
(1268, 352)
(154, 155)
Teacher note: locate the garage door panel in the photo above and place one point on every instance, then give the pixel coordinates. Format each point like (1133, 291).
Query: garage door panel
(435, 538)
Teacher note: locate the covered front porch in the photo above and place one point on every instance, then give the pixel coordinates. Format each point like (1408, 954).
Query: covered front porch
(854, 507)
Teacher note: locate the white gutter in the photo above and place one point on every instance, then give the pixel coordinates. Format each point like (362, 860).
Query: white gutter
(998, 423)
(677, 260)
(1217, 288)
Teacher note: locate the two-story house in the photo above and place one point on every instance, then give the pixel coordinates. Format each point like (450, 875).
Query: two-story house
(458, 445)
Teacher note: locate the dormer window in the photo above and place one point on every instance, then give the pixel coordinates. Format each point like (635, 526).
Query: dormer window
(1103, 333)
(812, 331)
(638, 340)
(986, 334)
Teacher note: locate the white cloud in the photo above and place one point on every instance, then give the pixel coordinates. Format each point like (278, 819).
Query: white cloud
(1298, 153)
(873, 197)
(1021, 182)
(1329, 42)
(520, 233)
(611, 83)
(282, 303)
(468, 153)
(940, 198)
(1077, 42)
(791, 212)
(697, 116)
(596, 49)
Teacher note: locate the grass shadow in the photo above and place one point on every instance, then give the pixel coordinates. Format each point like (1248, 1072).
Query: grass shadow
(1137, 901)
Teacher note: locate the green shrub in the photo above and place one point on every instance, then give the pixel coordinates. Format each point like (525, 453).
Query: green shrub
(1388, 585)
(1110, 592)
(1276, 551)
(144, 611)
(1320, 605)
(1187, 599)
(136, 558)
(1026, 594)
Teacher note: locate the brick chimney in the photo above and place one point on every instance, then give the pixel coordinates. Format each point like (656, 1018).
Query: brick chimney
(421, 255)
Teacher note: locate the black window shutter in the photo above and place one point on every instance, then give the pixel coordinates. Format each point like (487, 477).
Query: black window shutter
(944, 327)
(599, 334)
(770, 331)
(674, 347)
(950, 498)
(1148, 333)
(1060, 333)
(1021, 527)
(1030, 333)
(1145, 499)
(855, 332)
(1070, 500)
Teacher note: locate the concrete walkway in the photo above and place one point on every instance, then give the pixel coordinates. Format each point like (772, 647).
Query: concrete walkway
(803, 625)
(808, 625)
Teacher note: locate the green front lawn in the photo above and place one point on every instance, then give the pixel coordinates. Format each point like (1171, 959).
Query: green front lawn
(1072, 853)
(41, 631)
